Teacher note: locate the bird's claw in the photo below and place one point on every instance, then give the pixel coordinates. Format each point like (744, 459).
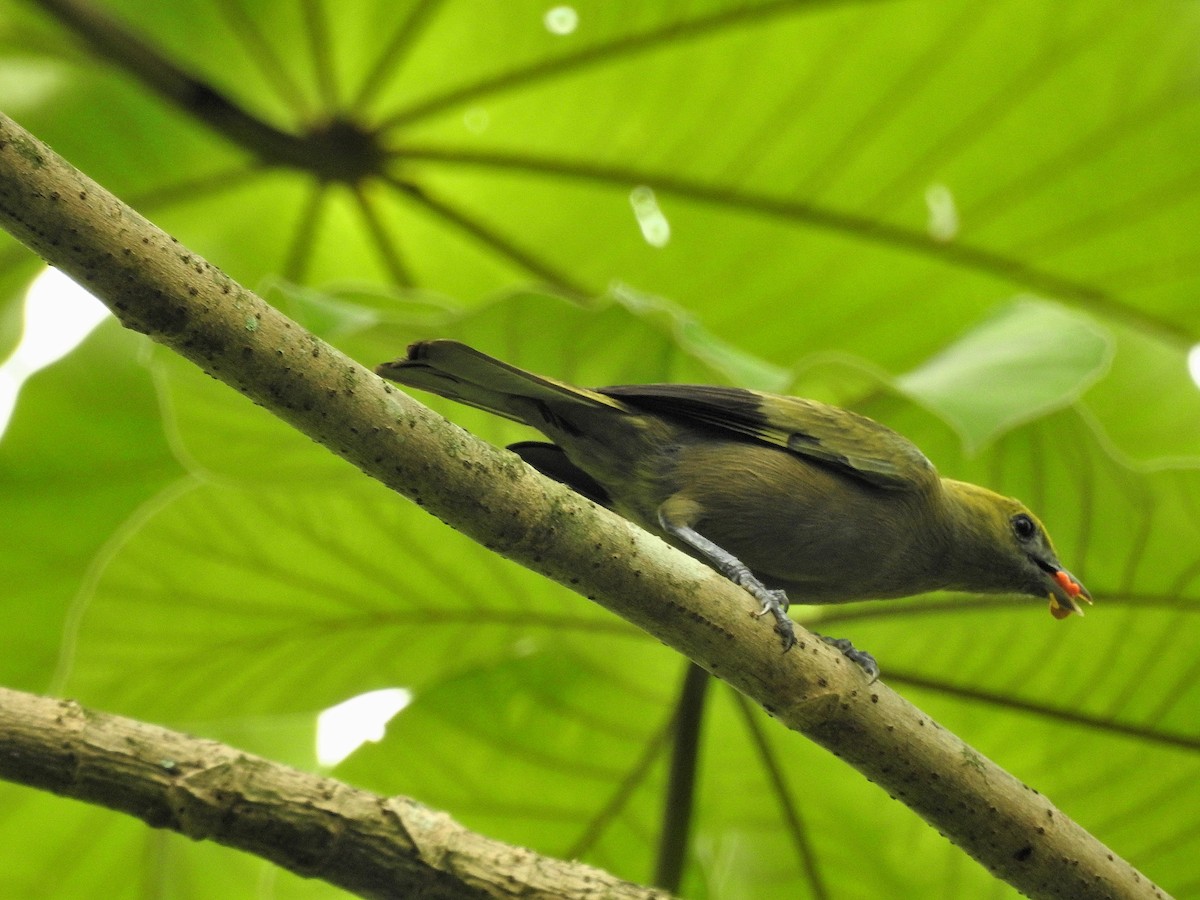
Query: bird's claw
(776, 603)
(772, 600)
(787, 632)
(861, 658)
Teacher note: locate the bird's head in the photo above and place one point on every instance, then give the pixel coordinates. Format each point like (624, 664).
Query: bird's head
(1003, 547)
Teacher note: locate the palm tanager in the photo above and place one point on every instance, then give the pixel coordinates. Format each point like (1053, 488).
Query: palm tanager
(779, 494)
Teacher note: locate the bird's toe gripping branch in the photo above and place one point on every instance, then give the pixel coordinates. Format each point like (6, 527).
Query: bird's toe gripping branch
(861, 658)
(776, 603)
(773, 601)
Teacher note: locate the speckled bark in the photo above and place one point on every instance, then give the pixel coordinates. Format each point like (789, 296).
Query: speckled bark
(375, 846)
(156, 286)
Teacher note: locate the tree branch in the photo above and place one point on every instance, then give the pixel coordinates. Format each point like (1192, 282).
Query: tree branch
(316, 827)
(156, 286)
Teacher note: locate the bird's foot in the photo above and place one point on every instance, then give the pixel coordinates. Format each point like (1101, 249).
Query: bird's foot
(773, 602)
(771, 599)
(776, 603)
(861, 658)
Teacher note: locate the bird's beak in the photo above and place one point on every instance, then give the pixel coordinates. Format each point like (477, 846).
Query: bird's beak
(1065, 593)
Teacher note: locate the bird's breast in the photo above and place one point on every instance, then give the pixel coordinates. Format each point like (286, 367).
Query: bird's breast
(824, 536)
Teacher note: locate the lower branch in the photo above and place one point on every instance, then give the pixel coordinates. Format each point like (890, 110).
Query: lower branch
(374, 846)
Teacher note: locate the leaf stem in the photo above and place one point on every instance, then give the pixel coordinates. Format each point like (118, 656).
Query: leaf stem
(679, 804)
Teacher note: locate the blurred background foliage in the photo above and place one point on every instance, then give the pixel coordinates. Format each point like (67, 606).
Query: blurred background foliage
(975, 222)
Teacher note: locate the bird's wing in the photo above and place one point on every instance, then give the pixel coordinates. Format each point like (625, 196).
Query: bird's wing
(837, 437)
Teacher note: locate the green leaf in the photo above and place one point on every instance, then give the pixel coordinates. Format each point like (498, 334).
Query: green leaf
(1149, 406)
(85, 449)
(283, 600)
(1030, 359)
(475, 743)
(16, 270)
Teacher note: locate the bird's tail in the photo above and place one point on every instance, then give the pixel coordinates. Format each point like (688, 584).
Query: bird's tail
(452, 369)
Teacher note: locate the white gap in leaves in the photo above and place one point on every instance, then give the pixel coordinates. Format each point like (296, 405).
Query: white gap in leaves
(943, 213)
(561, 20)
(1193, 360)
(344, 728)
(655, 227)
(59, 314)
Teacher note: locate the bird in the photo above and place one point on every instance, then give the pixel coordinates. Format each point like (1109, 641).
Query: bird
(787, 497)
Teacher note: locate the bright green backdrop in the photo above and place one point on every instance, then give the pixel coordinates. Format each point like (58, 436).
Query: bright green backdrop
(975, 222)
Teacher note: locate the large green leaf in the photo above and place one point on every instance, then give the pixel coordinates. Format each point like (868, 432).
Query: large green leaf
(843, 199)
(84, 451)
(1028, 360)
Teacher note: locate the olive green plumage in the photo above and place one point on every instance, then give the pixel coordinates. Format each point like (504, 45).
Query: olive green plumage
(811, 499)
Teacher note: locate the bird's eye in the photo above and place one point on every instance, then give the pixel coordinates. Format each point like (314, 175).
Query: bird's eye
(1023, 527)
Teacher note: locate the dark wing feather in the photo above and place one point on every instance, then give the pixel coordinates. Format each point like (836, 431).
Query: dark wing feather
(552, 461)
(849, 442)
